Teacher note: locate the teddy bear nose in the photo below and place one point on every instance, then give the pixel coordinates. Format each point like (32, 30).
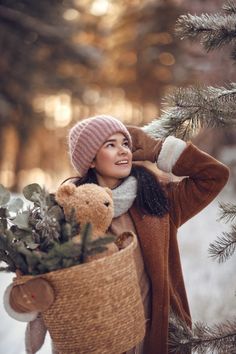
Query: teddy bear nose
(107, 204)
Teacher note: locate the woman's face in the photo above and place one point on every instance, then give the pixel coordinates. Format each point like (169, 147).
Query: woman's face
(113, 161)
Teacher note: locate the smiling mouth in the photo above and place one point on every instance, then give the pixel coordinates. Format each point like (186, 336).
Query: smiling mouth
(122, 162)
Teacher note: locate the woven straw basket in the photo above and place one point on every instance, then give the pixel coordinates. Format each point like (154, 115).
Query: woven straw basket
(98, 307)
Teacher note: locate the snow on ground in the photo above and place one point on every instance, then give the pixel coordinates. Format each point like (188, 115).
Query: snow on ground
(210, 286)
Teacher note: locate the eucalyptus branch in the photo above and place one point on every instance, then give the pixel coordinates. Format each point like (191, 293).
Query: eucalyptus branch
(220, 338)
(214, 30)
(189, 109)
(224, 247)
(229, 7)
(227, 212)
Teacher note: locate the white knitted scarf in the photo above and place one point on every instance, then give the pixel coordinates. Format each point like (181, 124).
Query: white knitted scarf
(124, 196)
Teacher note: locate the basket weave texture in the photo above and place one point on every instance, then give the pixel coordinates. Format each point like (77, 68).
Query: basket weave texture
(98, 307)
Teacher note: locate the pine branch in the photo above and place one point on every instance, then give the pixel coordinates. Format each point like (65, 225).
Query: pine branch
(33, 24)
(4, 257)
(229, 7)
(50, 34)
(9, 254)
(190, 109)
(227, 211)
(214, 30)
(224, 247)
(220, 338)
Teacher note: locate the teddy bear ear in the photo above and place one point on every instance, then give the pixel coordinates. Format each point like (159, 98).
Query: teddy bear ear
(64, 191)
(108, 190)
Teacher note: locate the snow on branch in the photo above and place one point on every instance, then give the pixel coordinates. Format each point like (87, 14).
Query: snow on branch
(189, 109)
(219, 338)
(230, 7)
(227, 212)
(214, 31)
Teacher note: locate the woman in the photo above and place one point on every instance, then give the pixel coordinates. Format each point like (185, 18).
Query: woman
(102, 150)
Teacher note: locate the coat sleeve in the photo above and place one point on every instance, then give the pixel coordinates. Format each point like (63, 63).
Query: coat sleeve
(204, 179)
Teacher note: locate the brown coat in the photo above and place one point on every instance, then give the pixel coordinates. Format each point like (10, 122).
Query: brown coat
(158, 239)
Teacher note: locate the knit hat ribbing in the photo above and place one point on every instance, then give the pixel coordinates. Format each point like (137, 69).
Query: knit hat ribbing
(88, 135)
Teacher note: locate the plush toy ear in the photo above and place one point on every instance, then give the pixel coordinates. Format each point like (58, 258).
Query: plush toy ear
(108, 190)
(35, 335)
(64, 191)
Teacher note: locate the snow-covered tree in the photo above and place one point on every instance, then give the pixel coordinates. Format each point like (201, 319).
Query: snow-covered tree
(187, 111)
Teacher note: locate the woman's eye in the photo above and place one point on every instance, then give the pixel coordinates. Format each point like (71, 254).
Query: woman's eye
(110, 145)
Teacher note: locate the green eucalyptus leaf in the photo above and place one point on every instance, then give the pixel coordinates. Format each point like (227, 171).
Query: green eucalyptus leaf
(20, 234)
(5, 195)
(32, 246)
(22, 220)
(10, 236)
(32, 192)
(26, 237)
(15, 205)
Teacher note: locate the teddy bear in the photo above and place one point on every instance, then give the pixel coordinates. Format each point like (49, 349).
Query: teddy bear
(92, 204)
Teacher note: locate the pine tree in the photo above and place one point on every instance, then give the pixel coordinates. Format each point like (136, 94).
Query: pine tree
(187, 111)
(190, 109)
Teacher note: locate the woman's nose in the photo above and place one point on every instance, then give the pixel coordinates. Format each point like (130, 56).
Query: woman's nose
(123, 150)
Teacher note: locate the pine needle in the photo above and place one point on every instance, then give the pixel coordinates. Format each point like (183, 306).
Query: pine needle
(85, 238)
(224, 246)
(219, 338)
(190, 109)
(227, 212)
(229, 7)
(214, 30)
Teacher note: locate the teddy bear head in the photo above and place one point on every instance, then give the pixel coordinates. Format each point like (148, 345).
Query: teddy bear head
(90, 203)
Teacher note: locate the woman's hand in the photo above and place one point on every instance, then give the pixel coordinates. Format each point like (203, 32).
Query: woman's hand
(163, 177)
(144, 146)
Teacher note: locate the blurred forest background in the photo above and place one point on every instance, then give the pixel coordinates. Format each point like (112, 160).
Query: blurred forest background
(65, 60)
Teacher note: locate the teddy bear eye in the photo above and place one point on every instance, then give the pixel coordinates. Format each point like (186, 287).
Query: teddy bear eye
(87, 202)
(107, 204)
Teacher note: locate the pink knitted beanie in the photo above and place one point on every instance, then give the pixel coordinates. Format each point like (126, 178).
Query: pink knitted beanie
(88, 135)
